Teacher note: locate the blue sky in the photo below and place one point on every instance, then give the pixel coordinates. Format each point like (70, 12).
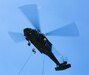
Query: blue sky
(53, 14)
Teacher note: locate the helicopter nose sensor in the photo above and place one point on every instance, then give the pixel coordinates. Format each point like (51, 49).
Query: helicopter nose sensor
(27, 33)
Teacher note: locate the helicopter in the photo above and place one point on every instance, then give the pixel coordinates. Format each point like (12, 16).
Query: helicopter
(39, 40)
(44, 46)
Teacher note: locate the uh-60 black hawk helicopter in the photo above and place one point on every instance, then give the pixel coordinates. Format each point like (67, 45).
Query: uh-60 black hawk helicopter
(39, 40)
(44, 46)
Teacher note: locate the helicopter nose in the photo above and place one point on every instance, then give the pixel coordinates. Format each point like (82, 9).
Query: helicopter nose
(25, 30)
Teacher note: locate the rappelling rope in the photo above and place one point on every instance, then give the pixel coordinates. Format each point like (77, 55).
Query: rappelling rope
(25, 64)
(43, 65)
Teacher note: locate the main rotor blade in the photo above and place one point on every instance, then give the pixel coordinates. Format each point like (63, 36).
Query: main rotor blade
(16, 37)
(31, 12)
(68, 30)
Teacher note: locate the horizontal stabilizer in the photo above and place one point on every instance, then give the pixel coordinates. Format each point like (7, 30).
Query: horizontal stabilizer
(63, 67)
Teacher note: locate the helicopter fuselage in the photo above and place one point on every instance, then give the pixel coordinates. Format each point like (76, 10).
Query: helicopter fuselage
(40, 42)
(44, 46)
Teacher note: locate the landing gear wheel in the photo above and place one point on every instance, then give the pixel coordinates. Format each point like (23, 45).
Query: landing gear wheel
(29, 44)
